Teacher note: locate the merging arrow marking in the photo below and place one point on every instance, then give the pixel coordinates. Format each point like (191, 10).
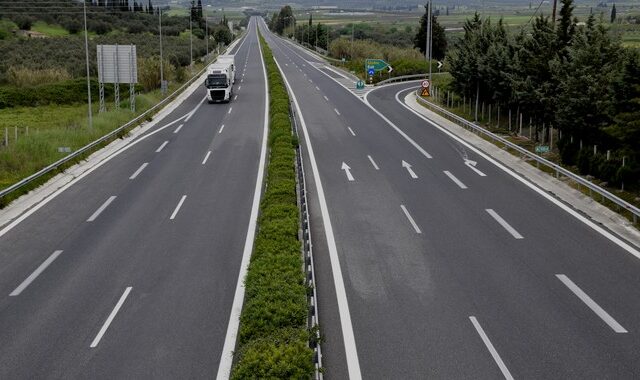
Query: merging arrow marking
(472, 165)
(407, 166)
(347, 170)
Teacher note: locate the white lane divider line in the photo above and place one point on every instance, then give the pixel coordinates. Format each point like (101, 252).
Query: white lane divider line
(413, 223)
(504, 224)
(115, 310)
(206, 157)
(317, 88)
(35, 274)
(193, 112)
(179, 128)
(230, 109)
(337, 112)
(101, 209)
(325, 98)
(492, 350)
(175, 212)
(162, 146)
(608, 319)
(455, 180)
(375, 166)
(221, 128)
(140, 169)
(351, 130)
(239, 87)
(235, 97)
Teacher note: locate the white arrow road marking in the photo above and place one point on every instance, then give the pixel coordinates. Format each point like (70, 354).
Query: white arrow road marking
(608, 319)
(115, 310)
(407, 166)
(472, 166)
(347, 170)
(492, 350)
(35, 274)
(373, 163)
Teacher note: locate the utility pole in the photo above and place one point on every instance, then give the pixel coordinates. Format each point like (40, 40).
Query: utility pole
(429, 38)
(191, 39)
(161, 58)
(86, 49)
(553, 13)
(353, 33)
(206, 32)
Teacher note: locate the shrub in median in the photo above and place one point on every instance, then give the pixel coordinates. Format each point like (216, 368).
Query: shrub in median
(273, 341)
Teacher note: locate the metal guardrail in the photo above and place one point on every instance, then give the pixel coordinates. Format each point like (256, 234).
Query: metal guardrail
(559, 170)
(405, 78)
(107, 137)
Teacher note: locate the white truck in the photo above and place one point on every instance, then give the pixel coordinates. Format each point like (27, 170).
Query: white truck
(220, 79)
(231, 60)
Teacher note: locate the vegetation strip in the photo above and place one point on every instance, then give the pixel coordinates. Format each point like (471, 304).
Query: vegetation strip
(273, 340)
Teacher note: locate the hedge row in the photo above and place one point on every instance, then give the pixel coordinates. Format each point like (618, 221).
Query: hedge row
(273, 341)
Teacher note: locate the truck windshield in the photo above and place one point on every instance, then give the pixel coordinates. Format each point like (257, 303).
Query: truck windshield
(216, 81)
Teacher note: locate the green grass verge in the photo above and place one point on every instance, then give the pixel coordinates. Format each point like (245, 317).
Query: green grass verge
(273, 341)
(49, 30)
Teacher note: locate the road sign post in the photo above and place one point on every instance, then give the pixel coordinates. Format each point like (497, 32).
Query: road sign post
(426, 87)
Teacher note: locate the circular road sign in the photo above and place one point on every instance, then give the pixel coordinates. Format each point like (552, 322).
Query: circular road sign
(425, 84)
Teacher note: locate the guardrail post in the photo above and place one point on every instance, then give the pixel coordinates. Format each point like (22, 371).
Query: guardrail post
(15, 130)
(6, 136)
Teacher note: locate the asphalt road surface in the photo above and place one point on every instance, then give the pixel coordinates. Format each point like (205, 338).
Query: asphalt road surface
(132, 271)
(436, 263)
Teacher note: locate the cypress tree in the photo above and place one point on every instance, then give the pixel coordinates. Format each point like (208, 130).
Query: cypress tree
(613, 13)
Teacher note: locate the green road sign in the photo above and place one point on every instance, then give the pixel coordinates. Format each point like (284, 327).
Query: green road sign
(360, 85)
(542, 149)
(375, 64)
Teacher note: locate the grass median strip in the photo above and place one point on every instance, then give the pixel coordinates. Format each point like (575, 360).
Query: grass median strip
(273, 340)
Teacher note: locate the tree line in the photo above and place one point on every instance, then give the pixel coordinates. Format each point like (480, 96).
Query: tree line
(573, 77)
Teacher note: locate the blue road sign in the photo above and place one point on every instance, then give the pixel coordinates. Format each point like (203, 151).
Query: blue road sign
(371, 71)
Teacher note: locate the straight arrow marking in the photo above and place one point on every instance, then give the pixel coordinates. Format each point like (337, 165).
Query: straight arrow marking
(472, 166)
(407, 166)
(347, 170)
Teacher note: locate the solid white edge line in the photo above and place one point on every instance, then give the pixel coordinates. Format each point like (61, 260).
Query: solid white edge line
(353, 363)
(206, 157)
(614, 239)
(99, 211)
(600, 312)
(195, 110)
(177, 209)
(375, 166)
(106, 324)
(351, 130)
(179, 128)
(455, 179)
(413, 222)
(504, 224)
(137, 172)
(162, 146)
(35, 274)
(492, 350)
(226, 359)
(221, 128)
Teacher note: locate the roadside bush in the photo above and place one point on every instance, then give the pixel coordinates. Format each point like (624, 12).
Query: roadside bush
(23, 76)
(273, 340)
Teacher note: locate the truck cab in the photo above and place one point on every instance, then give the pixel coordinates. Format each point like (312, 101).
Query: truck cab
(219, 83)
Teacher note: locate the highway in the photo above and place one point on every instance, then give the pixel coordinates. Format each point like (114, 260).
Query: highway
(132, 271)
(433, 261)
